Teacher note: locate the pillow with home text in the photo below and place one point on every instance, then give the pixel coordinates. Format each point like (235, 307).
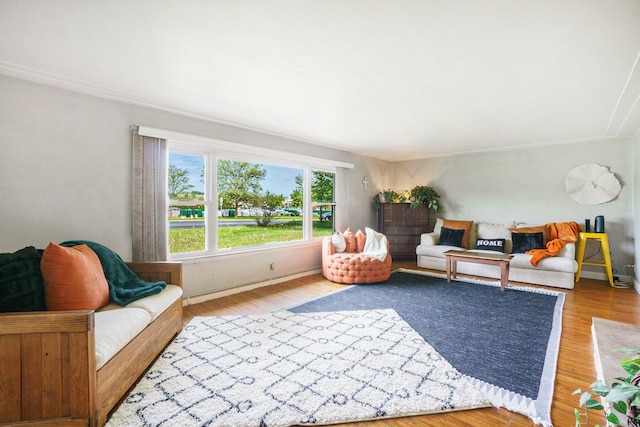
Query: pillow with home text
(491, 244)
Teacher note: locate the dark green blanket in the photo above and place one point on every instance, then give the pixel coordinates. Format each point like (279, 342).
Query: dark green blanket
(124, 286)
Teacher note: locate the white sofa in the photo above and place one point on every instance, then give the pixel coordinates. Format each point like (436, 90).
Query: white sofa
(558, 271)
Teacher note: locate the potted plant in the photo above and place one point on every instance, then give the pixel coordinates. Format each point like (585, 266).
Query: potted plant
(624, 396)
(425, 195)
(387, 196)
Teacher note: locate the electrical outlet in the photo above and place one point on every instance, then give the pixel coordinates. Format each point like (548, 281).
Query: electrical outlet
(272, 266)
(616, 279)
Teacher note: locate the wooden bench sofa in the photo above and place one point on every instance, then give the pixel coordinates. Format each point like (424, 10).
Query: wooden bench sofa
(48, 370)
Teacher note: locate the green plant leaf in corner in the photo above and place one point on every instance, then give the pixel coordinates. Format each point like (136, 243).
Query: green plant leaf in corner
(594, 404)
(623, 392)
(612, 418)
(620, 406)
(584, 397)
(599, 388)
(630, 365)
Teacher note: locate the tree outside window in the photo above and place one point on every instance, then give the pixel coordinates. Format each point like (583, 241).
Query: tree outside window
(256, 204)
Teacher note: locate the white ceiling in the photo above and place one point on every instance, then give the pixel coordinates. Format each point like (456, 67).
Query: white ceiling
(393, 79)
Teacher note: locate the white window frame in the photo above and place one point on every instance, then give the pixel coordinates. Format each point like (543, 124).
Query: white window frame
(213, 149)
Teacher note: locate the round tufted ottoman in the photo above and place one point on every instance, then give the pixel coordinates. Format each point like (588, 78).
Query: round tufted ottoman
(353, 267)
(357, 268)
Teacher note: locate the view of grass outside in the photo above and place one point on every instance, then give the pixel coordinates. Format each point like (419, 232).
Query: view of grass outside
(192, 239)
(256, 203)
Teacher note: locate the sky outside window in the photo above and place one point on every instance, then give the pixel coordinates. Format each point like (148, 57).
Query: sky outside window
(279, 180)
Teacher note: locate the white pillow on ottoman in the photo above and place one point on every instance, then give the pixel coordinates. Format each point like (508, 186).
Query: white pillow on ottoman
(338, 241)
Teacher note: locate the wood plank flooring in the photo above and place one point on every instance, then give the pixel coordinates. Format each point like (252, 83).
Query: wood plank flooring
(590, 298)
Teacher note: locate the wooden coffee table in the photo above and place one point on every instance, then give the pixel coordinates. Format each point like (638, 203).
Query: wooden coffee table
(498, 259)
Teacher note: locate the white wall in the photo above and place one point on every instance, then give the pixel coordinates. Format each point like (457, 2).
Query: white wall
(636, 204)
(65, 173)
(527, 186)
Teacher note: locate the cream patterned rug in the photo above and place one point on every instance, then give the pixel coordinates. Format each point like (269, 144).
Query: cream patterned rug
(284, 369)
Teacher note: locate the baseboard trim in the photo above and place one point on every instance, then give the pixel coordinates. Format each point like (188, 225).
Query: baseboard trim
(232, 291)
(603, 276)
(226, 292)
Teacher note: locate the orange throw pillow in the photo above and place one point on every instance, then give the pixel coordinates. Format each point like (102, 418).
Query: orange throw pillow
(460, 225)
(73, 278)
(361, 239)
(350, 239)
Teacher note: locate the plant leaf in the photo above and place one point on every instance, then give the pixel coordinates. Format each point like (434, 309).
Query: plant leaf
(612, 418)
(620, 406)
(594, 404)
(584, 398)
(630, 366)
(599, 388)
(623, 392)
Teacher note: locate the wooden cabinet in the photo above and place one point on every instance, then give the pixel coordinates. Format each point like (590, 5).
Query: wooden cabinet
(403, 227)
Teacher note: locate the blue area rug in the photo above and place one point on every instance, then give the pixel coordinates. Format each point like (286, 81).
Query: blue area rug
(506, 341)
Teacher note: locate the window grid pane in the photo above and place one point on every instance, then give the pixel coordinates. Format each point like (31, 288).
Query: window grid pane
(250, 204)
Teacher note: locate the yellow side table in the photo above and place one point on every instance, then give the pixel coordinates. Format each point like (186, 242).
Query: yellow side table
(604, 244)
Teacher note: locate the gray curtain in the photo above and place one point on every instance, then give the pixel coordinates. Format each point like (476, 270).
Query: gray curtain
(149, 213)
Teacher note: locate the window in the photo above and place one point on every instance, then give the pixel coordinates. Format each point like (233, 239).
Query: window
(187, 202)
(221, 201)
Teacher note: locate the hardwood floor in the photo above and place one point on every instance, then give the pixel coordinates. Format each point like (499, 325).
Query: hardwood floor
(590, 298)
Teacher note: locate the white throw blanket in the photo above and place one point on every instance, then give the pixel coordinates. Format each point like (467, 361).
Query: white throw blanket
(375, 244)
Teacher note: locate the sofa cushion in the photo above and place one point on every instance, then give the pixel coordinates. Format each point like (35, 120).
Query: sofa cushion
(21, 284)
(429, 239)
(350, 240)
(153, 304)
(522, 242)
(451, 237)
(486, 230)
(73, 278)
(560, 264)
(497, 245)
(569, 251)
(438, 225)
(460, 225)
(534, 229)
(339, 244)
(436, 251)
(361, 240)
(114, 330)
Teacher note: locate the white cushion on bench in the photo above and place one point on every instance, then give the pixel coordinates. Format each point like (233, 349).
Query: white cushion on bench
(114, 330)
(153, 304)
(436, 250)
(156, 304)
